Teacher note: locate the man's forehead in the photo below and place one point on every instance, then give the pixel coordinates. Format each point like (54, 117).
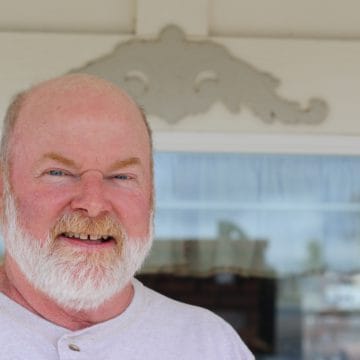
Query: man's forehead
(77, 108)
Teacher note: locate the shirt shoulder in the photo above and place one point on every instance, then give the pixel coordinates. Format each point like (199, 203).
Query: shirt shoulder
(197, 327)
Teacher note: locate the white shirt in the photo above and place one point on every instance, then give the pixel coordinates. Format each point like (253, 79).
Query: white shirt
(152, 327)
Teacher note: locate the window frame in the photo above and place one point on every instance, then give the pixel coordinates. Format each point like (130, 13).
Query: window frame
(285, 143)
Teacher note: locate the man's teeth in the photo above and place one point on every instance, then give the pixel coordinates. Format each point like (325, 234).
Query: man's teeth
(82, 236)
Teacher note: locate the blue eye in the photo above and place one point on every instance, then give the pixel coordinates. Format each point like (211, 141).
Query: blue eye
(121, 177)
(57, 172)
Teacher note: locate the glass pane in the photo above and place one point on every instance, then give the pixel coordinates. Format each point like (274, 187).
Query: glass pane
(309, 204)
(304, 210)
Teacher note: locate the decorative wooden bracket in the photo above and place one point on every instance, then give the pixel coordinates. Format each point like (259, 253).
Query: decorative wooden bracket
(173, 77)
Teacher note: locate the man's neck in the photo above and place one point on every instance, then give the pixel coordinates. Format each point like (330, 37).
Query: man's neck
(14, 285)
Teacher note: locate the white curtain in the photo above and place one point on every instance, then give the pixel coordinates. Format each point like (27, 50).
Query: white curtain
(259, 215)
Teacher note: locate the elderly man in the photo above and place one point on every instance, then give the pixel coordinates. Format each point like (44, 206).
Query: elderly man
(77, 205)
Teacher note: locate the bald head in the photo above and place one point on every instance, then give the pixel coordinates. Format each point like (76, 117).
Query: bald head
(61, 94)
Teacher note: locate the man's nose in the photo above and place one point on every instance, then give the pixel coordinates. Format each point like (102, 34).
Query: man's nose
(91, 196)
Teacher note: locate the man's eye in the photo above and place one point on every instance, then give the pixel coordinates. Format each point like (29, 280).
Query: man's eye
(57, 172)
(121, 177)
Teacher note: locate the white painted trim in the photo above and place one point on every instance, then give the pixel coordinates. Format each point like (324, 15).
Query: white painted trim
(256, 143)
(257, 206)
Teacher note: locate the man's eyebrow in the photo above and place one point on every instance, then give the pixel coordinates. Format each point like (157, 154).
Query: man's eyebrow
(59, 158)
(119, 164)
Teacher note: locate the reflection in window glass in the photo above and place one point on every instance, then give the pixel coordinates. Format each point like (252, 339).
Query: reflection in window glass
(309, 204)
(304, 214)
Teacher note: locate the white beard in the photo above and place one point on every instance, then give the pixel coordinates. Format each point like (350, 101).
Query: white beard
(73, 278)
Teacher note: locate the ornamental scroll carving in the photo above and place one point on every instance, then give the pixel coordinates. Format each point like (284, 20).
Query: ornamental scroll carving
(173, 77)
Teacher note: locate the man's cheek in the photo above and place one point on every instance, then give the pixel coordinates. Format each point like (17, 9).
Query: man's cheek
(33, 219)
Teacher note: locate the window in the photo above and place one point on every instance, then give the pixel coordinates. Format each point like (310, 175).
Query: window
(283, 227)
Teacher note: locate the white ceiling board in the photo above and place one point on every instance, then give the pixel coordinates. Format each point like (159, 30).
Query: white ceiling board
(106, 16)
(259, 18)
(190, 15)
(285, 18)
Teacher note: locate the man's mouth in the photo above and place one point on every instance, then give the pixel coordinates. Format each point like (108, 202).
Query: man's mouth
(89, 238)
